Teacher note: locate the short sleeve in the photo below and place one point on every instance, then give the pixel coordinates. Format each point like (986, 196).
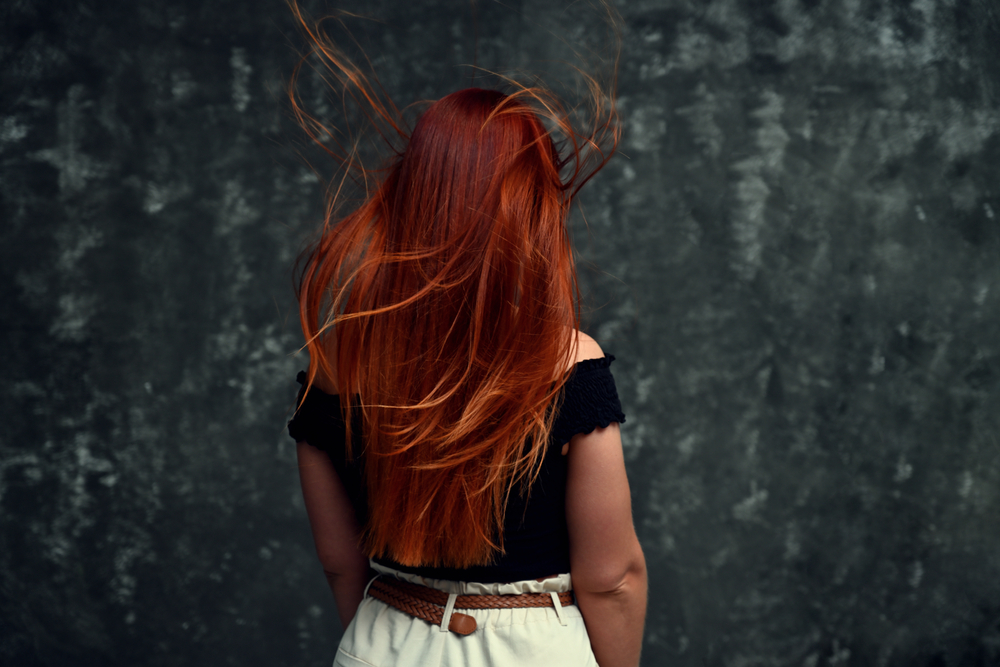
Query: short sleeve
(590, 400)
(318, 420)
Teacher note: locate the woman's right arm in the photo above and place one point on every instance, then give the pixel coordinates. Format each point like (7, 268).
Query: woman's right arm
(606, 562)
(335, 530)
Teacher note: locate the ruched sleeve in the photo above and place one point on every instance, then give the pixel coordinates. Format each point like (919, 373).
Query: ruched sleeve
(318, 419)
(590, 400)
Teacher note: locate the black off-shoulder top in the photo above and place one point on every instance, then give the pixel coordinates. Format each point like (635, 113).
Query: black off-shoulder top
(536, 540)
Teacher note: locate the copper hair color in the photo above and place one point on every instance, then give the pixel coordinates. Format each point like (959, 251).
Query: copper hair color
(442, 306)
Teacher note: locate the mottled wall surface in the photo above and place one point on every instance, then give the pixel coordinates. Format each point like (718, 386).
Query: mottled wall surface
(796, 260)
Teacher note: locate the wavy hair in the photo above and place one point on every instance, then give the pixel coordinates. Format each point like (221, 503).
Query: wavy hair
(443, 304)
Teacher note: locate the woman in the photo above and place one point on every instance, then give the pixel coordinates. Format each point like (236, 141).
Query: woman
(457, 435)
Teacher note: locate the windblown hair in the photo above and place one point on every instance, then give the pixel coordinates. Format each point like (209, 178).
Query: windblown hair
(443, 306)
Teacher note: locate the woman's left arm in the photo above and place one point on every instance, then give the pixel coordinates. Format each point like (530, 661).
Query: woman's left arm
(335, 530)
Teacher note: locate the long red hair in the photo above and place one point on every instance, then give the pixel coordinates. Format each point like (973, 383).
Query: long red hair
(443, 305)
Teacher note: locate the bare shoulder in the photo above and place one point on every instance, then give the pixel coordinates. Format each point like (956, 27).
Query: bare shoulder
(587, 347)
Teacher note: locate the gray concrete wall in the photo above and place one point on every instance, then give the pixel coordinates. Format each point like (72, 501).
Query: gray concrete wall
(796, 259)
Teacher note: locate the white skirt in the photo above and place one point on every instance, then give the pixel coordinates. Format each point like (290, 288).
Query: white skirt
(383, 636)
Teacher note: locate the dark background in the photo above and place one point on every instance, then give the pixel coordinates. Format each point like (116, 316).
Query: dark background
(796, 259)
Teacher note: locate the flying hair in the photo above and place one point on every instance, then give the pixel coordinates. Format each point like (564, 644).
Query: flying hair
(442, 305)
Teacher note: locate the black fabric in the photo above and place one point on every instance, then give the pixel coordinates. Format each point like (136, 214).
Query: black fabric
(536, 540)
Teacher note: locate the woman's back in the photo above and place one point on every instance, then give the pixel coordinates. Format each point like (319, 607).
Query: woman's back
(535, 533)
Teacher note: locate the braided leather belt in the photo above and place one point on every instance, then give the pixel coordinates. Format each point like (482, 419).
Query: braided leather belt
(429, 603)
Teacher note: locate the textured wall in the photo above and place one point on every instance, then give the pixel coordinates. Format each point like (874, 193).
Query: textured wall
(795, 259)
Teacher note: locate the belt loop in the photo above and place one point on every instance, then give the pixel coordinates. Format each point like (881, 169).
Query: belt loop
(371, 566)
(557, 603)
(372, 581)
(448, 608)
